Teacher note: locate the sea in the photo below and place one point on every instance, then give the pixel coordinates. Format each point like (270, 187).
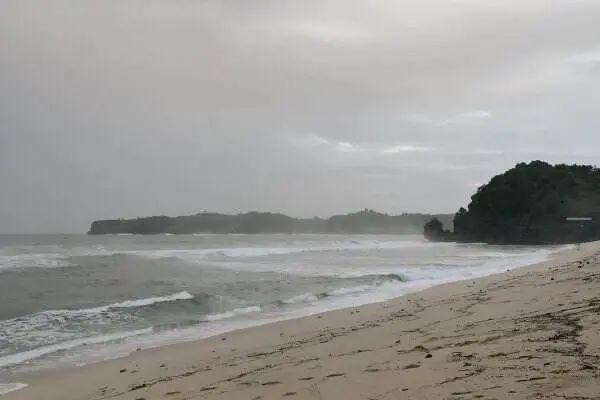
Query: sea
(68, 300)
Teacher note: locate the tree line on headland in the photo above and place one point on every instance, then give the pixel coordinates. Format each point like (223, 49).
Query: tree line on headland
(535, 203)
(363, 222)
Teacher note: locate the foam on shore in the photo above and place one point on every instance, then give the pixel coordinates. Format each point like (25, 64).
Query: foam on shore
(11, 387)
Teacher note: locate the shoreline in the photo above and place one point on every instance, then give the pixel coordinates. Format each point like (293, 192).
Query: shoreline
(171, 366)
(331, 300)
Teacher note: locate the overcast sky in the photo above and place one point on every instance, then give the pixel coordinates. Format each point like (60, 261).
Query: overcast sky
(122, 108)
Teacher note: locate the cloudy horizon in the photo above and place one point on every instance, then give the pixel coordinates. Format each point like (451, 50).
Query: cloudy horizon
(126, 108)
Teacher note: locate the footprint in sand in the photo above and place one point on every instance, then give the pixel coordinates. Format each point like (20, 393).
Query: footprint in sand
(271, 383)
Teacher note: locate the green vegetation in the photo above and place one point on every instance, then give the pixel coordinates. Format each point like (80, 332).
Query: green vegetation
(434, 230)
(363, 222)
(530, 204)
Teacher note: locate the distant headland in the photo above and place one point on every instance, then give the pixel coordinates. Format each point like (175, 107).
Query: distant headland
(363, 222)
(535, 203)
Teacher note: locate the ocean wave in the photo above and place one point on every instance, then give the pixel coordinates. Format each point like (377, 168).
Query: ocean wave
(378, 280)
(11, 387)
(340, 284)
(301, 298)
(19, 358)
(313, 298)
(34, 260)
(233, 313)
(351, 290)
(51, 327)
(183, 295)
(391, 277)
(251, 252)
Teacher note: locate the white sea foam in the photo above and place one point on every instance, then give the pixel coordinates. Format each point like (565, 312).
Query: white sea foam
(183, 295)
(350, 290)
(323, 297)
(133, 303)
(83, 251)
(10, 387)
(24, 356)
(51, 327)
(199, 255)
(302, 298)
(44, 317)
(453, 267)
(34, 260)
(233, 313)
(41, 256)
(390, 281)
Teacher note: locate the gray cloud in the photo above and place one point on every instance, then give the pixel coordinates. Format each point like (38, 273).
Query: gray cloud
(126, 108)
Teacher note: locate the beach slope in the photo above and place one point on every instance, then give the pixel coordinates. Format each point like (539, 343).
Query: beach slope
(532, 332)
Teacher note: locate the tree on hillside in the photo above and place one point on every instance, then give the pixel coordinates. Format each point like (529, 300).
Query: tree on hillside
(530, 204)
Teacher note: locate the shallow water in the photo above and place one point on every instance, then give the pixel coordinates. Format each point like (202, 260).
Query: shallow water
(69, 300)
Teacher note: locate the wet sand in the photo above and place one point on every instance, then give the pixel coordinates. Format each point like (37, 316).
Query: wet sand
(532, 332)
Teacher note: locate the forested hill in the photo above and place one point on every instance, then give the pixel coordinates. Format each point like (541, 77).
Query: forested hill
(532, 203)
(363, 222)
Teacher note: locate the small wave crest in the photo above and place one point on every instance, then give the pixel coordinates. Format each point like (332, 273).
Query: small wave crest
(350, 290)
(53, 317)
(39, 260)
(51, 329)
(301, 298)
(195, 255)
(24, 356)
(183, 295)
(233, 313)
(391, 277)
(11, 387)
(376, 281)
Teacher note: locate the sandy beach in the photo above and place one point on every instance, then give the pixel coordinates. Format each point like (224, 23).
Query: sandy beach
(531, 332)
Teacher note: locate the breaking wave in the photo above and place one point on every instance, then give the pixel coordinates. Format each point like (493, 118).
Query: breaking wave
(19, 358)
(378, 280)
(233, 313)
(11, 387)
(131, 303)
(50, 331)
(250, 252)
(41, 260)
